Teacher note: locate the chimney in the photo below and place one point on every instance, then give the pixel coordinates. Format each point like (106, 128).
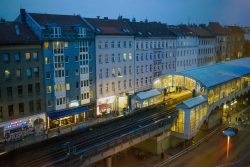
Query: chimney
(23, 15)
(105, 18)
(17, 30)
(98, 17)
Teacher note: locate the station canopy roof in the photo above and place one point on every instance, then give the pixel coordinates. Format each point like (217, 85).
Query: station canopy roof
(148, 94)
(190, 103)
(215, 74)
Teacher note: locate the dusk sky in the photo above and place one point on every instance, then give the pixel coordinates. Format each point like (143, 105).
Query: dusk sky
(227, 12)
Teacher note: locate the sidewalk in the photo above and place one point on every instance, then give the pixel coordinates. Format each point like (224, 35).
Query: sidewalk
(37, 137)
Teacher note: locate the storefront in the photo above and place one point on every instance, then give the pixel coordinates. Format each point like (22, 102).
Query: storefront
(106, 105)
(67, 117)
(20, 128)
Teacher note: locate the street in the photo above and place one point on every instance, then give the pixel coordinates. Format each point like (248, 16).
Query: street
(214, 151)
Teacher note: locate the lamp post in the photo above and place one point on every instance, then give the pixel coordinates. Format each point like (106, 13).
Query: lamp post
(229, 133)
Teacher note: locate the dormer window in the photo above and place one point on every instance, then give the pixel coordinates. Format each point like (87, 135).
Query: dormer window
(81, 32)
(56, 32)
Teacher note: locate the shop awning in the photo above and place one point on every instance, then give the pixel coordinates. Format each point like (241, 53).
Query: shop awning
(67, 112)
(104, 106)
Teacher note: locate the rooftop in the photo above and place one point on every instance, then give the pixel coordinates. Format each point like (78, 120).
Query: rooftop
(217, 29)
(107, 26)
(61, 20)
(190, 103)
(200, 31)
(215, 74)
(16, 33)
(151, 29)
(148, 94)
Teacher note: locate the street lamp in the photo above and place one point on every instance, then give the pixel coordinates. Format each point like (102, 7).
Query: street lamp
(229, 133)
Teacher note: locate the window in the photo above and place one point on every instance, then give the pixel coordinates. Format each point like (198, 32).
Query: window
(106, 59)
(119, 85)
(6, 57)
(10, 110)
(7, 74)
(119, 57)
(30, 88)
(67, 86)
(119, 72)
(36, 71)
(130, 56)
(48, 75)
(29, 72)
(66, 44)
(38, 105)
(125, 84)
(113, 86)
(21, 108)
(46, 60)
(106, 44)
(46, 45)
(124, 56)
(48, 89)
(113, 58)
(107, 87)
(100, 59)
(100, 73)
(119, 44)
(1, 113)
(124, 44)
(100, 88)
(130, 69)
(77, 72)
(77, 84)
(35, 56)
(113, 72)
(18, 73)
(49, 103)
(107, 72)
(17, 57)
(9, 91)
(130, 83)
(112, 44)
(56, 32)
(20, 90)
(27, 56)
(125, 70)
(31, 106)
(82, 32)
(37, 87)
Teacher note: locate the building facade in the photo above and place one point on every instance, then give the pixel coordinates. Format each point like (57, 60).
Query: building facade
(67, 42)
(222, 40)
(22, 102)
(155, 52)
(186, 48)
(207, 44)
(114, 43)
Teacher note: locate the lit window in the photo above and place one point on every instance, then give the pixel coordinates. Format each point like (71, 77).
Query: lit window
(46, 60)
(18, 73)
(46, 45)
(48, 89)
(6, 57)
(119, 71)
(29, 72)
(17, 57)
(66, 44)
(27, 56)
(7, 73)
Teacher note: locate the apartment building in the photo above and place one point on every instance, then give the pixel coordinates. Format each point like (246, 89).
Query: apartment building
(22, 103)
(114, 43)
(155, 52)
(66, 45)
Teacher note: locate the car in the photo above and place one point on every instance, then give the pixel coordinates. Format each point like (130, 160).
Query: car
(230, 131)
